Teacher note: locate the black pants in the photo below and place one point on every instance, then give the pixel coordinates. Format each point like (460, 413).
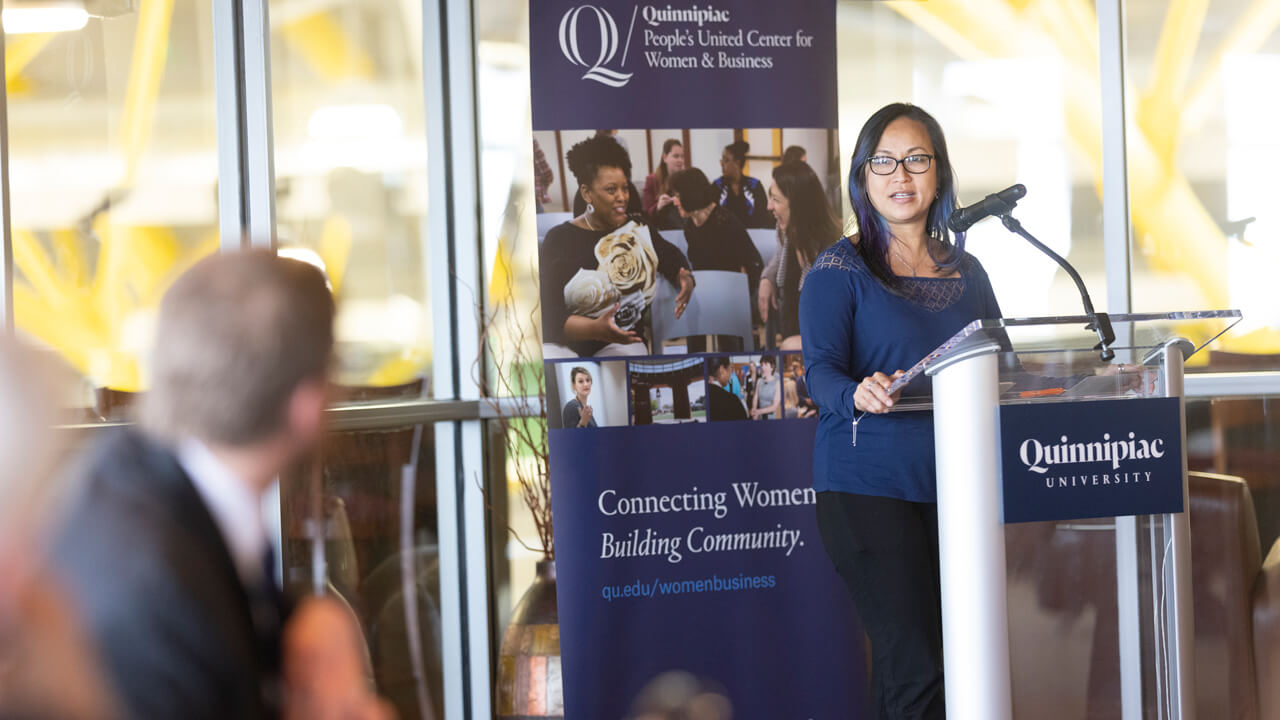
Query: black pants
(886, 551)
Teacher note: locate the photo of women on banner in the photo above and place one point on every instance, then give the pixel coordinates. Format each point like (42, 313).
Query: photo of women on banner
(619, 266)
(582, 394)
(600, 270)
(757, 382)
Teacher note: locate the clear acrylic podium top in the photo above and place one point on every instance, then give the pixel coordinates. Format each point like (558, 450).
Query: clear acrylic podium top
(1052, 359)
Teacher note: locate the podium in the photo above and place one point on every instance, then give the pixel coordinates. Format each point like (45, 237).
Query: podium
(1032, 427)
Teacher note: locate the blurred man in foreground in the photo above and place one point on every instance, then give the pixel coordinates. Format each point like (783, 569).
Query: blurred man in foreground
(165, 549)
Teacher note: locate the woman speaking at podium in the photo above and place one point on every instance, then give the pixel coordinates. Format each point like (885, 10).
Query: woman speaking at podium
(873, 304)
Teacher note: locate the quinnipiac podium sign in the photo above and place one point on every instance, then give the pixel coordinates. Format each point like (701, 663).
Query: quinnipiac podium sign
(1077, 444)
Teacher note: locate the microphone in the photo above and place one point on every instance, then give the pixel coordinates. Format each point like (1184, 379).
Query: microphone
(1000, 203)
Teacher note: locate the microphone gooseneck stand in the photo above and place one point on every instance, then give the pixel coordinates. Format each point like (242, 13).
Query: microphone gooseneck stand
(1099, 322)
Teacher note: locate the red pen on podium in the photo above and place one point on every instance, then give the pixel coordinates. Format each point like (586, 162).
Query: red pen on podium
(1047, 392)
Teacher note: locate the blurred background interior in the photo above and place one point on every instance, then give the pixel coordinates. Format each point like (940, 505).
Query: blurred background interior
(378, 147)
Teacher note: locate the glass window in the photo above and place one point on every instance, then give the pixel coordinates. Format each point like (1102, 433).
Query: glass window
(113, 173)
(351, 175)
(381, 552)
(1200, 149)
(1016, 91)
(349, 135)
(1241, 436)
(510, 248)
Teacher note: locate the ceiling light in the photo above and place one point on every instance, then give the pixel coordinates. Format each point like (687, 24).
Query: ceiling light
(44, 17)
(349, 122)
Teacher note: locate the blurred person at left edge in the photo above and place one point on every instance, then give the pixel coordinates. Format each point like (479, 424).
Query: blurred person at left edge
(48, 669)
(165, 548)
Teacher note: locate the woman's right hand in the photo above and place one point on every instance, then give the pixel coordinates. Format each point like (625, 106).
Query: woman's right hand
(872, 393)
(764, 298)
(610, 332)
(584, 417)
(664, 200)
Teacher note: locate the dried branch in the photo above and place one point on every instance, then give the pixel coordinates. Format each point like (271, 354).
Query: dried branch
(513, 368)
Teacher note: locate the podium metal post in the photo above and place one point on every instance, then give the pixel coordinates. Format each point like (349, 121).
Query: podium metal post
(1179, 620)
(975, 620)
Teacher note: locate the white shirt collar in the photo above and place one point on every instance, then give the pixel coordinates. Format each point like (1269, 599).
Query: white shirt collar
(236, 510)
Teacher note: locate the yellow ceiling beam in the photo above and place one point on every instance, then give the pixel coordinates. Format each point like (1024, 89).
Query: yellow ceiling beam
(1172, 223)
(401, 368)
(1250, 32)
(109, 289)
(34, 316)
(69, 257)
(502, 281)
(326, 47)
(971, 29)
(49, 305)
(38, 270)
(155, 249)
(150, 51)
(84, 320)
(1160, 104)
(19, 51)
(939, 29)
(185, 258)
(336, 238)
(1073, 26)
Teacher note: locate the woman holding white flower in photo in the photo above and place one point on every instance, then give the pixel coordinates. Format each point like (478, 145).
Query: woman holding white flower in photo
(600, 270)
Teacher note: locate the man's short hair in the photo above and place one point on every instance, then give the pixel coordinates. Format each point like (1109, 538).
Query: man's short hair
(237, 334)
(714, 364)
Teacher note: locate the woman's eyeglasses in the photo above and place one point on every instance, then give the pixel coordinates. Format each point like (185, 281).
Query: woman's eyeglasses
(885, 165)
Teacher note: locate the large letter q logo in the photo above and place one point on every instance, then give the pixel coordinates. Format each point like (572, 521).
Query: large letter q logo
(608, 46)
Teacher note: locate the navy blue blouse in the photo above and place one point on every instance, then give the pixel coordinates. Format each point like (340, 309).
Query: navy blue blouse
(852, 327)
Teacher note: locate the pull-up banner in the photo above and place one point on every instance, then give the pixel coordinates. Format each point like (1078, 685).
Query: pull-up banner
(689, 567)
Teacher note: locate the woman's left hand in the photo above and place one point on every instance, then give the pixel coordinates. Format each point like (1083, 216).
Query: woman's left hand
(686, 291)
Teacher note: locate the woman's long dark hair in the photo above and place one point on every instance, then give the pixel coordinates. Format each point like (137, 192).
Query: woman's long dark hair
(813, 225)
(664, 176)
(873, 230)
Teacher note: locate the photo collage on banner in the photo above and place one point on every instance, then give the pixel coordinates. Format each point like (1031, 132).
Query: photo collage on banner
(585, 394)
(681, 430)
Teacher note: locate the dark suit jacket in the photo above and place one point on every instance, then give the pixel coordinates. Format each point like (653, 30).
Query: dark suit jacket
(157, 588)
(723, 405)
